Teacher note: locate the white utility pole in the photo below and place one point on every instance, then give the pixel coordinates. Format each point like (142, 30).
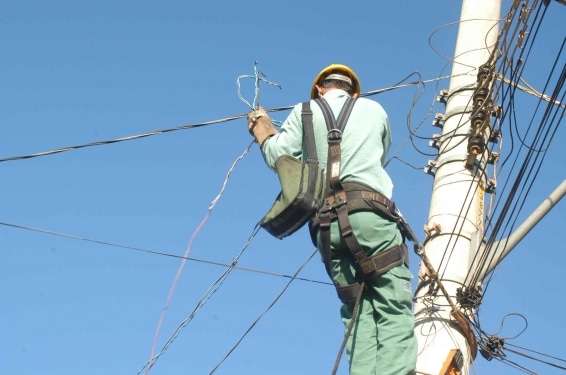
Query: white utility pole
(442, 348)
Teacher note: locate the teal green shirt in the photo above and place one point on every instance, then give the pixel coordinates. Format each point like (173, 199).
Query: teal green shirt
(364, 146)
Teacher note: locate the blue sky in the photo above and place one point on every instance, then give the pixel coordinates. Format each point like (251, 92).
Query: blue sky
(79, 71)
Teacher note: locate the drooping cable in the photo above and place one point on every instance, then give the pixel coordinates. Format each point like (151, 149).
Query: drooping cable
(156, 132)
(263, 313)
(206, 296)
(258, 78)
(188, 251)
(163, 253)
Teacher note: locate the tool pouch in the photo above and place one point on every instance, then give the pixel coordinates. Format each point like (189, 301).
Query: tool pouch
(302, 189)
(302, 185)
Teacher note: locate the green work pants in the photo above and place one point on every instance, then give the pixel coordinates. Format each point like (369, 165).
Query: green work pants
(382, 341)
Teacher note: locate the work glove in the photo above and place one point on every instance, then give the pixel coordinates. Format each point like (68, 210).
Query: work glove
(260, 125)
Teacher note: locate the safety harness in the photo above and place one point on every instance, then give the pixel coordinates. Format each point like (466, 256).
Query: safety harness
(344, 198)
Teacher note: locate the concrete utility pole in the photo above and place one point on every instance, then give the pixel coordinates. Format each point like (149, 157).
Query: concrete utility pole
(443, 347)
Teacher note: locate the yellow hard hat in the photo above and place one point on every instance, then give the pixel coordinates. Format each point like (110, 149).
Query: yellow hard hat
(336, 69)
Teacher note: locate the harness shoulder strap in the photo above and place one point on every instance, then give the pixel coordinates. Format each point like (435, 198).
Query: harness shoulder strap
(345, 113)
(309, 145)
(334, 140)
(329, 118)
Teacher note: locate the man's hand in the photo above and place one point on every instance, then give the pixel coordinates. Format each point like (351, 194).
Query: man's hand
(260, 126)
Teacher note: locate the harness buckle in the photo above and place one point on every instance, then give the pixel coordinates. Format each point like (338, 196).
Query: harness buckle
(334, 201)
(334, 136)
(340, 199)
(367, 267)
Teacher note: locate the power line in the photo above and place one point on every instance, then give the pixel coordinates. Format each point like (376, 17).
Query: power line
(216, 285)
(198, 229)
(263, 313)
(258, 78)
(157, 252)
(156, 132)
(528, 172)
(207, 295)
(493, 58)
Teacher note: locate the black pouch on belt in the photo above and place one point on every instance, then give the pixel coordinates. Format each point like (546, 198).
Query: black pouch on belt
(302, 186)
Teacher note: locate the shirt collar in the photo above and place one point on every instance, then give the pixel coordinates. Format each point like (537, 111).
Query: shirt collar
(335, 93)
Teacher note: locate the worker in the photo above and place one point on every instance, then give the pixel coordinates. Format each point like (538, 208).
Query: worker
(357, 229)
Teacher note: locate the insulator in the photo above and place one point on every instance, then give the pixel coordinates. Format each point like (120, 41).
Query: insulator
(479, 118)
(476, 145)
(480, 96)
(490, 186)
(435, 141)
(438, 120)
(430, 167)
(493, 157)
(496, 111)
(484, 73)
(495, 135)
(442, 97)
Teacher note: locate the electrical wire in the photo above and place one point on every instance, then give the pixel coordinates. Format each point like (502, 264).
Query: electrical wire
(495, 90)
(511, 100)
(258, 78)
(219, 121)
(263, 313)
(549, 356)
(524, 172)
(156, 252)
(188, 250)
(206, 296)
(447, 255)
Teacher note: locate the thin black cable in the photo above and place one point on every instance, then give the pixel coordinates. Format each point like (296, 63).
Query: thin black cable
(533, 358)
(516, 366)
(533, 170)
(207, 295)
(403, 162)
(487, 284)
(156, 252)
(462, 207)
(469, 206)
(470, 188)
(187, 126)
(518, 180)
(536, 352)
(525, 327)
(263, 313)
(501, 36)
(445, 255)
(123, 139)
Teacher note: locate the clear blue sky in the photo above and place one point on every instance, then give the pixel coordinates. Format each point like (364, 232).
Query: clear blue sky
(79, 71)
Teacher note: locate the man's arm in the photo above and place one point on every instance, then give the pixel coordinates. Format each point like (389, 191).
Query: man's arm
(287, 141)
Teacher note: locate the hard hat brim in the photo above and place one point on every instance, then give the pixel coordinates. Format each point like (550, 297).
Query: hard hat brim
(336, 69)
